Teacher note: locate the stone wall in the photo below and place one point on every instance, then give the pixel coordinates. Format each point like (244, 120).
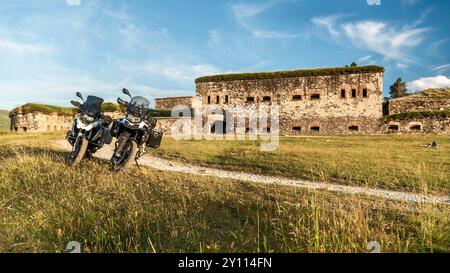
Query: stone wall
(165, 124)
(418, 126)
(333, 104)
(417, 104)
(170, 103)
(38, 122)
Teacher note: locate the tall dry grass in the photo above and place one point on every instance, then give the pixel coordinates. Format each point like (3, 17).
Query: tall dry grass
(44, 204)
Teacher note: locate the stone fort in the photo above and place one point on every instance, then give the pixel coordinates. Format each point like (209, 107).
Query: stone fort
(324, 101)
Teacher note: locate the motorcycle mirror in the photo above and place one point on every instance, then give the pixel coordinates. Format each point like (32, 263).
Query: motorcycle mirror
(126, 92)
(80, 96)
(76, 103)
(121, 102)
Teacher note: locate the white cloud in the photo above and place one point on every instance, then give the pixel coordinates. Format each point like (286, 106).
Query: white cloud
(183, 72)
(429, 82)
(249, 10)
(73, 2)
(441, 67)
(384, 39)
(328, 22)
(401, 66)
(244, 13)
(19, 48)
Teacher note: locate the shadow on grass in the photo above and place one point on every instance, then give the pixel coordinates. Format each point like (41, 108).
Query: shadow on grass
(15, 151)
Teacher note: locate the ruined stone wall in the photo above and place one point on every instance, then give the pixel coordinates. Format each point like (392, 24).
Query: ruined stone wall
(170, 103)
(334, 104)
(418, 126)
(402, 105)
(38, 122)
(165, 124)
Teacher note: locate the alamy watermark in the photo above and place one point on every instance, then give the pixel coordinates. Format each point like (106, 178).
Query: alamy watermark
(228, 122)
(374, 2)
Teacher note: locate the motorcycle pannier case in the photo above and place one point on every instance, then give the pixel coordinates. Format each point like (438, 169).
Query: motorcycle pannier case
(154, 140)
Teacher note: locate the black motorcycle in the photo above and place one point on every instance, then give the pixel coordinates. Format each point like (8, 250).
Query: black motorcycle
(90, 129)
(135, 132)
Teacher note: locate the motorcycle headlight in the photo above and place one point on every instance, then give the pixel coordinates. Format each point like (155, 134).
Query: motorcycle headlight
(86, 119)
(133, 119)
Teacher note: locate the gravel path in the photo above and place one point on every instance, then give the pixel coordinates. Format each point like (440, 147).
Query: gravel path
(167, 165)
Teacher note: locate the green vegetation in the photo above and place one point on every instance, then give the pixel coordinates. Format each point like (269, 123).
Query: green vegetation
(61, 111)
(422, 114)
(398, 89)
(45, 109)
(441, 93)
(387, 162)
(293, 73)
(160, 113)
(4, 120)
(111, 107)
(44, 204)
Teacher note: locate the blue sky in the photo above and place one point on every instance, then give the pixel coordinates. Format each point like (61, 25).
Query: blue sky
(51, 48)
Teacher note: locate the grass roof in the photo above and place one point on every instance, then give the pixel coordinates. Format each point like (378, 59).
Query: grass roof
(293, 73)
(58, 110)
(440, 93)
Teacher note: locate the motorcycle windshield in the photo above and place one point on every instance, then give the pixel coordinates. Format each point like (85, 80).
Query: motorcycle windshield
(138, 106)
(92, 106)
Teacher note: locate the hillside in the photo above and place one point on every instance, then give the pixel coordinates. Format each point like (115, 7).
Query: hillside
(4, 120)
(440, 93)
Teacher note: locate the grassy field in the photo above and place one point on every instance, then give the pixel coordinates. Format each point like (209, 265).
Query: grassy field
(4, 121)
(387, 162)
(44, 204)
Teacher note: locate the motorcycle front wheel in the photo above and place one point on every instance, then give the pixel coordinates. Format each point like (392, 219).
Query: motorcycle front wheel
(78, 151)
(126, 157)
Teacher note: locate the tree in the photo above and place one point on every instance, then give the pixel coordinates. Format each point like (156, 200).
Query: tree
(353, 64)
(398, 89)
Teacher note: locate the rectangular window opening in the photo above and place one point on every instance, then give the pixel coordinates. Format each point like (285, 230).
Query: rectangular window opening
(250, 99)
(353, 128)
(209, 99)
(365, 93)
(315, 97)
(315, 129)
(296, 97)
(353, 93)
(343, 93)
(416, 127)
(266, 99)
(218, 99)
(297, 129)
(226, 99)
(393, 128)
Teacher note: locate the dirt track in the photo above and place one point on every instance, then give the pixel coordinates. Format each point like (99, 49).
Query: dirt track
(172, 166)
